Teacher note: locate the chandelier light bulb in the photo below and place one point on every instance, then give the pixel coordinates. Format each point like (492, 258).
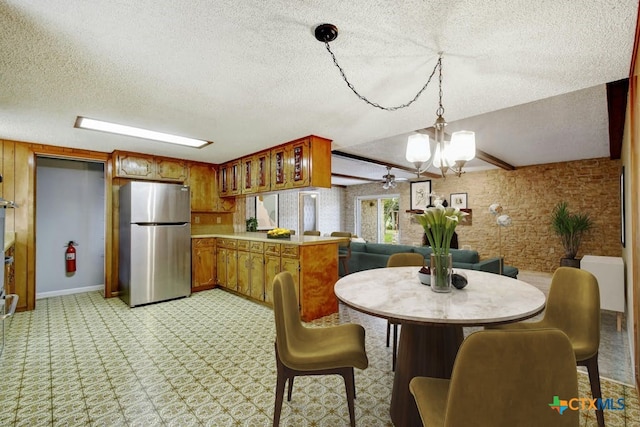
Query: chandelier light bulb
(462, 146)
(418, 151)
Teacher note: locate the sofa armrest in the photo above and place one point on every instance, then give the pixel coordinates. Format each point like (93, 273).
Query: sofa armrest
(490, 265)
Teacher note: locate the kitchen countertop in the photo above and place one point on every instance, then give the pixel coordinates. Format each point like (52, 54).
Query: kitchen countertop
(9, 240)
(262, 237)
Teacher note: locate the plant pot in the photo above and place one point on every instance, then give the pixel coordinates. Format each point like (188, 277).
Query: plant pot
(570, 262)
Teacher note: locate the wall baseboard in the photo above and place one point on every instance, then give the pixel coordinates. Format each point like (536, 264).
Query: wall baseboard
(42, 295)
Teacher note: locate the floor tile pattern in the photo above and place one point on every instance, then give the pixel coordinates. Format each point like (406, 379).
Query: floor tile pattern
(206, 360)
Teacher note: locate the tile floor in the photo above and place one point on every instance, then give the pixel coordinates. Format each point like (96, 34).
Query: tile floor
(206, 360)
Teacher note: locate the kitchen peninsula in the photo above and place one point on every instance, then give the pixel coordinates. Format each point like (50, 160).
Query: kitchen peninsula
(246, 263)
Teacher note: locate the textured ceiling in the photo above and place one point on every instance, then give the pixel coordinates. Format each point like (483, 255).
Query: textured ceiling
(527, 76)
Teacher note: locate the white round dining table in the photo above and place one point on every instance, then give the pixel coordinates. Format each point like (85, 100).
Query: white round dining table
(432, 322)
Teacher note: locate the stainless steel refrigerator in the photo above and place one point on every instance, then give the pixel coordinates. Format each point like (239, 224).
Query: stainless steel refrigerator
(155, 242)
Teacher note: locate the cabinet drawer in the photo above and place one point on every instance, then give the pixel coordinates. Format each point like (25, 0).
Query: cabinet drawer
(243, 245)
(272, 249)
(203, 243)
(228, 243)
(290, 251)
(257, 247)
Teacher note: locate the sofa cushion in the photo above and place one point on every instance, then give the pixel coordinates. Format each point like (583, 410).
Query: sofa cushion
(424, 250)
(385, 249)
(465, 256)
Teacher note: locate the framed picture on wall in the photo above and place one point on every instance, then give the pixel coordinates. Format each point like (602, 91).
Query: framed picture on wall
(267, 211)
(458, 200)
(420, 195)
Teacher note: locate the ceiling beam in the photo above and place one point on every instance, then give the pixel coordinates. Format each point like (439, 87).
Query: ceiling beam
(617, 109)
(486, 157)
(359, 178)
(380, 162)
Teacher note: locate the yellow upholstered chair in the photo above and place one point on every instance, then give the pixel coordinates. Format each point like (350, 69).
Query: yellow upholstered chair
(573, 306)
(344, 249)
(311, 233)
(503, 379)
(400, 259)
(312, 351)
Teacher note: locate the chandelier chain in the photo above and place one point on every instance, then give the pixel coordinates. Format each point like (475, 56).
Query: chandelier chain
(398, 107)
(440, 110)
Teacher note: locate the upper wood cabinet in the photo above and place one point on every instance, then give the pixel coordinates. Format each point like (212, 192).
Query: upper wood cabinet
(203, 178)
(230, 177)
(305, 162)
(301, 163)
(256, 174)
(142, 166)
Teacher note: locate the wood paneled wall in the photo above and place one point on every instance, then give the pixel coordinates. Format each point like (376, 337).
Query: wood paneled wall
(18, 167)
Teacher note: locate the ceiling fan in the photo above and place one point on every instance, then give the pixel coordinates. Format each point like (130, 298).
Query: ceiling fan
(389, 180)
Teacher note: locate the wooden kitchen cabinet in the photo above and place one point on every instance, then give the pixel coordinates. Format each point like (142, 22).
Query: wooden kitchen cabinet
(244, 267)
(301, 163)
(256, 175)
(203, 178)
(203, 264)
(251, 269)
(171, 169)
(256, 268)
(227, 263)
(271, 268)
(230, 177)
(142, 166)
(248, 266)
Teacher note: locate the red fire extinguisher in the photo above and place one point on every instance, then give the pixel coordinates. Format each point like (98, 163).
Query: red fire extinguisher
(70, 257)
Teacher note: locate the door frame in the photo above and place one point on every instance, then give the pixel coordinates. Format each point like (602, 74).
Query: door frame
(358, 212)
(82, 155)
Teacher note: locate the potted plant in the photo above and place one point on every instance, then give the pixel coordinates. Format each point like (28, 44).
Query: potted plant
(570, 227)
(252, 224)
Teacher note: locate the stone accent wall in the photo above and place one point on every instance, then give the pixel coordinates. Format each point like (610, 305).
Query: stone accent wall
(528, 195)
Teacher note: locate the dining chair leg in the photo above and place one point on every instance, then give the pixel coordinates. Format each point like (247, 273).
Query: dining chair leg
(594, 379)
(280, 383)
(344, 266)
(290, 388)
(349, 385)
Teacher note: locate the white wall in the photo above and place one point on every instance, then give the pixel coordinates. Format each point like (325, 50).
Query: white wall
(70, 205)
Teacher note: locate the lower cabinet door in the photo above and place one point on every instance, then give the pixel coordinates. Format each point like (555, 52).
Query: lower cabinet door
(271, 269)
(244, 272)
(257, 277)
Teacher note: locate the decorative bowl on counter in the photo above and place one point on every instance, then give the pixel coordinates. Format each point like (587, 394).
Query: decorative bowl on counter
(279, 233)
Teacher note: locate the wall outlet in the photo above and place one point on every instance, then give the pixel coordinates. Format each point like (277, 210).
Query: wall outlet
(218, 220)
(197, 219)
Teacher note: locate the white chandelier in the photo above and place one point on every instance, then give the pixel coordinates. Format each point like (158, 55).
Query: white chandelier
(447, 155)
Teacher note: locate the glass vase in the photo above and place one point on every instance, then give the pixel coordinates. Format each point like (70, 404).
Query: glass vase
(441, 270)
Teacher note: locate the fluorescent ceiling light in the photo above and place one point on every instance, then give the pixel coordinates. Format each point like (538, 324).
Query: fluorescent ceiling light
(86, 123)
